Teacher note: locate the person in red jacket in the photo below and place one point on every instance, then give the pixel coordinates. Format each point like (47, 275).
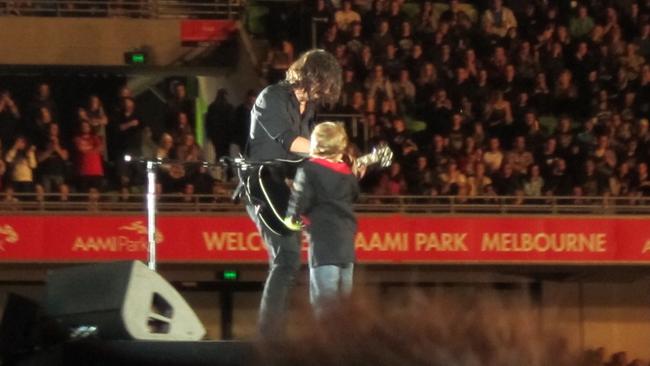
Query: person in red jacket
(89, 148)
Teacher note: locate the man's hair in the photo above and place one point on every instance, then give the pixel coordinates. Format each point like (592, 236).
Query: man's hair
(318, 73)
(328, 140)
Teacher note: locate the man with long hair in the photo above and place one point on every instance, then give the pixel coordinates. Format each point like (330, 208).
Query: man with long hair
(281, 123)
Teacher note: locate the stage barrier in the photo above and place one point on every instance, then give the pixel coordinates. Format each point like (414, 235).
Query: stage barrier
(387, 239)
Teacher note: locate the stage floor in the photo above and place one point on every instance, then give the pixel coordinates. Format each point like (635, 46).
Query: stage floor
(143, 353)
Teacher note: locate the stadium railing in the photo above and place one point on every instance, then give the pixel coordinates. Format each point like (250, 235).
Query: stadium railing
(447, 205)
(214, 9)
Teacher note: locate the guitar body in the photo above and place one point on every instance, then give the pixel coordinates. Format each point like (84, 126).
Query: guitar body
(265, 187)
(267, 191)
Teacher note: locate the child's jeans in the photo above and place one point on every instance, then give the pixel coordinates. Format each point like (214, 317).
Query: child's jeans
(329, 284)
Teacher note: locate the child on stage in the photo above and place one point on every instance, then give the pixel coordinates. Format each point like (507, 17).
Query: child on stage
(324, 190)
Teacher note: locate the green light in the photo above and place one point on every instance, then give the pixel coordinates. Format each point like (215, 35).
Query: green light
(230, 275)
(137, 58)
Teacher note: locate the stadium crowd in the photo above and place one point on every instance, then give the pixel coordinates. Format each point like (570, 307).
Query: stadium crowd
(476, 100)
(45, 153)
(544, 98)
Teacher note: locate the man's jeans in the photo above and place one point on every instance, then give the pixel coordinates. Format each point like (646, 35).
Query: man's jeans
(328, 284)
(284, 263)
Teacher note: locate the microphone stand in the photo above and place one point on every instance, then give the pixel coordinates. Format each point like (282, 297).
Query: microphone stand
(151, 214)
(151, 169)
(151, 165)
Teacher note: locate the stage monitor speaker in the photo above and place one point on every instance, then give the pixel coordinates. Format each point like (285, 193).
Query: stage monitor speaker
(120, 300)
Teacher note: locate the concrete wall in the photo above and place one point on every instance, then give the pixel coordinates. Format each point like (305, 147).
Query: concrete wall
(86, 41)
(601, 314)
(618, 317)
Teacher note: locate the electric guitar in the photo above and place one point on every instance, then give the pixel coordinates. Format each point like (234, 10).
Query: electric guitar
(265, 186)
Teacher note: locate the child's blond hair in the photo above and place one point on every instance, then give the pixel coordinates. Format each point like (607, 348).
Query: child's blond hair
(328, 140)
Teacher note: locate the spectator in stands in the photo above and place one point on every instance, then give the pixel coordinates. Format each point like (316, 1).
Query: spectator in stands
(241, 121)
(41, 126)
(641, 183)
(88, 147)
(581, 25)
(171, 176)
(391, 62)
(439, 111)
(493, 158)
(631, 62)
(181, 128)
(378, 84)
(427, 77)
(42, 99)
(219, 122)
(97, 116)
(519, 157)
(372, 18)
(94, 199)
(178, 102)
(422, 180)
(404, 91)
(498, 115)
(643, 41)
(396, 182)
(439, 153)
(620, 184)
(53, 160)
(364, 63)
(604, 157)
(188, 150)
(356, 40)
(470, 154)
(278, 60)
(21, 159)
(497, 63)
(191, 154)
(9, 118)
(478, 182)
(395, 16)
(498, 19)
(346, 16)
(406, 39)
(456, 135)
(381, 38)
(591, 182)
(188, 194)
(331, 39)
(506, 181)
(400, 139)
(127, 136)
(558, 182)
(534, 182)
(564, 135)
(454, 14)
(123, 93)
(10, 199)
(350, 86)
(148, 146)
(566, 92)
(453, 181)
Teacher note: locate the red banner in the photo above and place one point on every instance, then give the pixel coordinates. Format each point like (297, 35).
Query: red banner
(207, 30)
(381, 239)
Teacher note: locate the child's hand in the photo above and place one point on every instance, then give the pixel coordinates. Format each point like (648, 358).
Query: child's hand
(292, 224)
